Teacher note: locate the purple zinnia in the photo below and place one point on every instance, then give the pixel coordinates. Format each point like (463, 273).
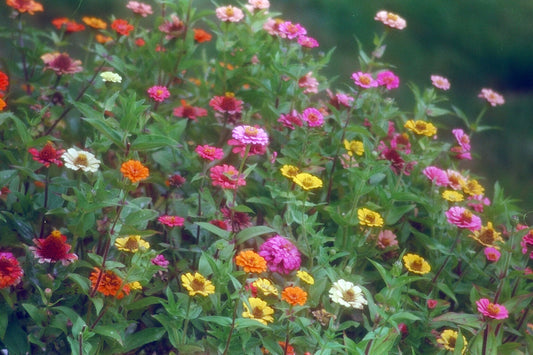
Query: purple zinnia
(281, 255)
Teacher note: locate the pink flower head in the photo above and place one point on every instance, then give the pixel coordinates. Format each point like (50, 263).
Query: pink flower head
(48, 155)
(440, 82)
(234, 220)
(390, 19)
(527, 242)
(241, 148)
(209, 153)
(463, 218)
(226, 104)
(250, 135)
(388, 79)
(160, 261)
(291, 119)
(308, 42)
(364, 80)
(53, 248)
(140, 8)
(258, 5)
(462, 138)
(308, 83)
(188, 111)
(456, 179)
(436, 175)
(226, 176)
(61, 63)
(431, 303)
(281, 255)
(229, 14)
(492, 254)
(10, 270)
(491, 310)
(477, 202)
(387, 238)
(340, 99)
(492, 97)
(171, 221)
(313, 117)
(272, 27)
(292, 31)
(175, 28)
(158, 93)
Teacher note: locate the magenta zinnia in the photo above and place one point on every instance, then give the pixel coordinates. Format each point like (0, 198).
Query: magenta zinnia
(463, 218)
(281, 255)
(209, 153)
(61, 63)
(436, 175)
(226, 176)
(10, 270)
(158, 93)
(491, 310)
(250, 135)
(364, 80)
(171, 221)
(48, 155)
(313, 117)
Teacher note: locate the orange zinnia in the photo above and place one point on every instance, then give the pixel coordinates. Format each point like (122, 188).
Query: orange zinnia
(250, 261)
(294, 295)
(201, 35)
(28, 6)
(110, 284)
(94, 22)
(134, 170)
(2, 104)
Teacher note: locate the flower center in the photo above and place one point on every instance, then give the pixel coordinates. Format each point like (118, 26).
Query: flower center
(467, 216)
(132, 244)
(487, 236)
(421, 126)
(82, 160)
(493, 309)
(48, 152)
(251, 131)
(348, 296)
(365, 79)
(392, 17)
(229, 11)
(416, 265)
(257, 312)
(197, 285)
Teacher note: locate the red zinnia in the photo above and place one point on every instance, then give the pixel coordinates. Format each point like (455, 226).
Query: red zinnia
(201, 35)
(53, 249)
(188, 111)
(171, 221)
(10, 270)
(47, 155)
(122, 27)
(226, 104)
(70, 25)
(28, 6)
(61, 63)
(4, 83)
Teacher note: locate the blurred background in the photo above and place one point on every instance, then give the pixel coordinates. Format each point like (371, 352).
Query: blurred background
(474, 43)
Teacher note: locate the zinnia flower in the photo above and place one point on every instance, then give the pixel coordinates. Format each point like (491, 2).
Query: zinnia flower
(122, 27)
(209, 153)
(290, 120)
(132, 244)
(313, 117)
(108, 283)
(431, 303)
(305, 277)
(440, 82)
(463, 218)
(61, 63)
(226, 176)
(388, 79)
(369, 218)
(69, 25)
(250, 261)
(436, 175)
(308, 42)
(48, 155)
(229, 13)
(487, 236)
(201, 36)
(452, 196)
(4, 83)
(309, 83)
(291, 31)
(158, 93)
(386, 239)
(347, 294)
(23, 6)
(108, 76)
(250, 135)
(307, 181)
(53, 248)
(134, 170)
(226, 104)
(94, 22)
(354, 147)
(390, 19)
(281, 255)
(289, 171)
(140, 8)
(197, 284)
(492, 254)
(10, 270)
(472, 187)
(491, 310)
(76, 160)
(161, 261)
(188, 111)
(294, 295)
(421, 127)
(258, 310)
(527, 241)
(171, 221)
(416, 264)
(364, 80)
(448, 339)
(492, 97)
(265, 286)
(259, 4)
(174, 28)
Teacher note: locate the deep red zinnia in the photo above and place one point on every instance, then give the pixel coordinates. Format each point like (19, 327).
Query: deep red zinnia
(10, 270)
(53, 248)
(47, 155)
(226, 104)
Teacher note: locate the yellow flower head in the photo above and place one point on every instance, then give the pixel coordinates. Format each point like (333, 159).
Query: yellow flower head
(305, 277)
(259, 310)
(448, 339)
(289, 171)
(132, 243)
(197, 284)
(94, 22)
(472, 188)
(369, 218)
(135, 285)
(452, 196)
(421, 127)
(266, 287)
(487, 236)
(354, 147)
(307, 181)
(416, 264)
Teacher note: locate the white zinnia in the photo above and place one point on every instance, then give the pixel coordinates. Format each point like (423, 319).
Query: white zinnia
(347, 294)
(111, 77)
(76, 159)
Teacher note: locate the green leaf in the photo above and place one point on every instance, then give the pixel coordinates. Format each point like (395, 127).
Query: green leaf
(397, 212)
(151, 142)
(109, 331)
(102, 126)
(140, 218)
(222, 321)
(81, 281)
(222, 233)
(143, 303)
(136, 340)
(35, 313)
(252, 232)
(470, 321)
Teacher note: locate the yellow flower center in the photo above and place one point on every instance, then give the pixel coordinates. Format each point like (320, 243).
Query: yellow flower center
(493, 309)
(82, 160)
(251, 131)
(132, 244)
(392, 17)
(348, 296)
(365, 79)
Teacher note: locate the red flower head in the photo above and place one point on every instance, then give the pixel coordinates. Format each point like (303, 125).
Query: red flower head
(4, 83)
(226, 104)
(28, 6)
(61, 63)
(10, 270)
(226, 176)
(122, 27)
(188, 111)
(53, 249)
(69, 25)
(47, 155)
(201, 36)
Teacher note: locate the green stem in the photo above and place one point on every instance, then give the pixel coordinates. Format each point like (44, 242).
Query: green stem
(186, 325)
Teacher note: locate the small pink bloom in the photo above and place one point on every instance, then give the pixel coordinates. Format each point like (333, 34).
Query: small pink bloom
(313, 117)
(364, 80)
(431, 303)
(173, 28)
(140, 8)
(492, 254)
(229, 14)
(492, 97)
(158, 93)
(188, 111)
(528, 271)
(455, 179)
(259, 4)
(388, 79)
(160, 261)
(436, 175)
(491, 310)
(291, 30)
(462, 138)
(171, 221)
(527, 242)
(241, 148)
(209, 153)
(47, 155)
(250, 135)
(463, 218)
(390, 19)
(226, 176)
(340, 99)
(291, 119)
(308, 83)
(272, 27)
(226, 104)
(477, 202)
(440, 82)
(308, 42)
(387, 238)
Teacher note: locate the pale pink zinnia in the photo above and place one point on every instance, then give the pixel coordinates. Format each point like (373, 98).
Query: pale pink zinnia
(209, 153)
(388, 79)
(158, 93)
(387, 238)
(463, 218)
(250, 135)
(491, 310)
(436, 175)
(259, 4)
(462, 151)
(440, 82)
(313, 117)
(171, 221)
(492, 254)
(478, 202)
(229, 13)
(364, 80)
(226, 176)
(61, 63)
(390, 19)
(492, 97)
(292, 31)
(140, 8)
(309, 83)
(308, 42)
(281, 255)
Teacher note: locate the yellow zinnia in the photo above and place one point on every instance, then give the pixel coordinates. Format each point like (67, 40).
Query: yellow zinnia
(487, 236)
(132, 243)
(354, 147)
(305, 277)
(452, 196)
(472, 188)
(289, 171)
(307, 181)
(369, 218)
(448, 339)
(259, 310)
(197, 284)
(266, 287)
(416, 264)
(421, 127)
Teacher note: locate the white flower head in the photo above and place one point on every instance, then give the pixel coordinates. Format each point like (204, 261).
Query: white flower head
(347, 294)
(80, 159)
(109, 76)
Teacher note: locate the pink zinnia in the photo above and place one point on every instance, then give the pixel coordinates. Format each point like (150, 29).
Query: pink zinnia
(229, 14)
(291, 119)
(188, 111)
(387, 238)
(209, 153)
(463, 150)
(388, 79)
(308, 83)
(53, 248)
(491, 310)
(477, 202)
(364, 80)
(158, 93)
(436, 175)
(175, 28)
(241, 148)
(308, 42)
(10, 270)
(171, 221)
(250, 135)
(281, 255)
(390, 19)
(160, 261)
(440, 82)
(340, 99)
(526, 242)
(292, 31)
(140, 8)
(48, 155)
(463, 218)
(226, 104)
(431, 303)
(61, 63)
(492, 97)
(313, 117)
(492, 254)
(226, 176)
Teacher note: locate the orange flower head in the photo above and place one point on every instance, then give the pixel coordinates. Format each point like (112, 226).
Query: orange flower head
(2, 104)
(94, 22)
(294, 295)
(110, 284)
(201, 36)
(28, 6)
(250, 261)
(134, 170)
